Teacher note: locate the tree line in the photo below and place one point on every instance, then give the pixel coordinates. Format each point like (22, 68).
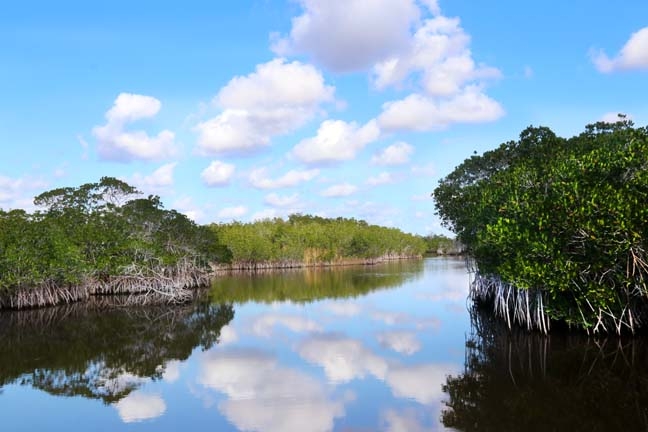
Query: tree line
(105, 238)
(557, 227)
(308, 240)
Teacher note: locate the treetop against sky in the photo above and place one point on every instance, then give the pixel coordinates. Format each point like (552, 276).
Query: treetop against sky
(261, 108)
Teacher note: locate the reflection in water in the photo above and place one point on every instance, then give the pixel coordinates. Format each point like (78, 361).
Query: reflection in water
(516, 381)
(316, 350)
(139, 406)
(264, 396)
(304, 285)
(78, 350)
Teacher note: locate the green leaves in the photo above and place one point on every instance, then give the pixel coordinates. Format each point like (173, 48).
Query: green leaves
(554, 214)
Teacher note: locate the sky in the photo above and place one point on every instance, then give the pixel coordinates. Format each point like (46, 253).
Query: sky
(251, 109)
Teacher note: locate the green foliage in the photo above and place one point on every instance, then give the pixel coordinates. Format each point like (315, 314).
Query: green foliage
(313, 239)
(97, 231)
(566, 216)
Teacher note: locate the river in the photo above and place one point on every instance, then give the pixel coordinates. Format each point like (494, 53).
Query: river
(391, 347)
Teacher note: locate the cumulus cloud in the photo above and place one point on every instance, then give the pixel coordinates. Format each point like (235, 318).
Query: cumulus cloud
(264, 325)
(343, 359)
(261, 394)
(339, 190)
(396, 154)
(440, 52)
(348, 35)
(402, 342)
(381, 179)
(276, 99)
(16, 192)
(259, 178)
(344, 308)
(336, 141)
(139, 406)
(115, 143)
(232, 212)
(276, 200)
(217, 173)
(421, 113)
(158, 179)
(228, 335)
(408, 420)
(633, 55)
(186, 205)
(423, 382)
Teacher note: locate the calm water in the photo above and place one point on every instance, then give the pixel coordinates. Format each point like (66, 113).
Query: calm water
(382, 348)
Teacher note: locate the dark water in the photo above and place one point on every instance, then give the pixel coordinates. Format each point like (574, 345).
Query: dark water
(382, 348)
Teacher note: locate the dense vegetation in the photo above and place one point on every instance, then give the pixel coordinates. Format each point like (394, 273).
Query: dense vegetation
(104, 238)
(307, 240)
(558, 227)
(100, 238)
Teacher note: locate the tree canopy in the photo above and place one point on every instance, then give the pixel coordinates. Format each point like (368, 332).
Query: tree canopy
(565, 218)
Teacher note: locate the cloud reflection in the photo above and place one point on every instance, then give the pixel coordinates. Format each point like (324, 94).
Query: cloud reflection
(265, 324)
(342, 358)
(139, 406)
(264, 396)
(402, 342)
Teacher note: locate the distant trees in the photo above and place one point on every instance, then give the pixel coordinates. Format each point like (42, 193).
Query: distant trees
(304, 239)
(104, 238)
(558, 227)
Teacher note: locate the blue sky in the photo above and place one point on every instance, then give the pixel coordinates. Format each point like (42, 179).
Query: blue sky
(262, 108)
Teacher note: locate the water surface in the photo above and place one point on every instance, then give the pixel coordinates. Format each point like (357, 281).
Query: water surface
(378, 348)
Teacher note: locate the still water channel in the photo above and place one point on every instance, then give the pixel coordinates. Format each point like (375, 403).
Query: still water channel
(390, 347)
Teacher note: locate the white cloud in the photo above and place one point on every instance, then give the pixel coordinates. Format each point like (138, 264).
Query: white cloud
(391, 318)
(172, 371)
(408, 420)
(15, 192)
(343, 359)
(613, 117)
(262, 394)
(336, 140)
(439, 62)
(423, 383)
(347, 35)
(402, 342)
(276, 200)
(339, 190)
(139, 406)
(420, 113)
(633, 55)
(381, 179)
(439, 51)
(186, 205)
(232, 212)
(396, 154)
(160, 178)
(227, 335)
(344, 308)
(264, 324)
(217, 173)
(116, 144)
(260, 180)
(265, 214)
(276, 99)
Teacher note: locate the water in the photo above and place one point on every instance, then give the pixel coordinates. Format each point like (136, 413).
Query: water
(389, 348)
